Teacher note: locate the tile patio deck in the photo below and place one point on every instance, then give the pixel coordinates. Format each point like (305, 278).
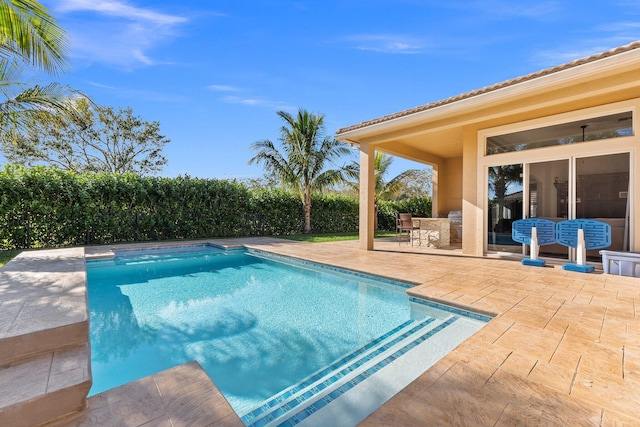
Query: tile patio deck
(564, 348)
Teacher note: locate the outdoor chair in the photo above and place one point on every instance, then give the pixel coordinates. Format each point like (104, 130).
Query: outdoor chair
(404, 224)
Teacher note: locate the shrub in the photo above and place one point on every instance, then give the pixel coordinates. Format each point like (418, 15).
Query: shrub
(49, 207)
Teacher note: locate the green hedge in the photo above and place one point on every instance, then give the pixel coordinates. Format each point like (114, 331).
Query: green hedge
(387, 210)
(49, 207)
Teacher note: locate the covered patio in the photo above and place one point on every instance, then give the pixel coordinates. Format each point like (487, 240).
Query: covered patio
(520, 123)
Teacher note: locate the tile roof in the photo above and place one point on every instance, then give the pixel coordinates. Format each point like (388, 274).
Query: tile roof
(491, 88)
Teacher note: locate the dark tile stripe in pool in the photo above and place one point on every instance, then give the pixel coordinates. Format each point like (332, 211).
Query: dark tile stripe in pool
(324, 401)
(283, 398)
(278, 399)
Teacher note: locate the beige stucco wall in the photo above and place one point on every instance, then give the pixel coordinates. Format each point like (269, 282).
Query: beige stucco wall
(472, 214)
(367, 188)
(450, 194)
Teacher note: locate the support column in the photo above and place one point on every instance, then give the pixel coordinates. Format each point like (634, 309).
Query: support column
(435, 192)
(367, 193)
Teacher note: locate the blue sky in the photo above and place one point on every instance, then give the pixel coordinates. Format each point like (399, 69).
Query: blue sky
(214, 73)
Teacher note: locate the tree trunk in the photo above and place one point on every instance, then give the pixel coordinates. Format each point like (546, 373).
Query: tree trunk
(307, 214)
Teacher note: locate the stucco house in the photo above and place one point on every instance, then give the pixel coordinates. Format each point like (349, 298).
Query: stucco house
(558, 144)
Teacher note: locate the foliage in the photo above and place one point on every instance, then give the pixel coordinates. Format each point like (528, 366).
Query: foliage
(417, 206)
(333, 212)
(386, 190)
(31, 35)
(410, 183)
(261, 183)
(405, 185)
(99, 139)
(500, 178)
(417, 183)
(22, 102)
(278, 209)
(31, 38)
(6, 256)
(44, 207)
(51, 207)
(300, 164)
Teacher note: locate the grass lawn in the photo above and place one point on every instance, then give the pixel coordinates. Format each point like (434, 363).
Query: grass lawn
(6, 256)
(332, 237)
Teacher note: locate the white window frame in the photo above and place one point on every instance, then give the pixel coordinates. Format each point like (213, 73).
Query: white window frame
(621, 144)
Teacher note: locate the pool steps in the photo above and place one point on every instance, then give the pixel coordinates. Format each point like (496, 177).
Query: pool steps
(44, 337)
(285, 395)
(296, 403)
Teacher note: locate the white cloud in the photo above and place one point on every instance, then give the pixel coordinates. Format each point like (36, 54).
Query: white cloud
(222, 88)
(257, 102)
(102, 86)
(227, 90)
(621, 27)
(116, 32)
(387, 43)
(119, 9)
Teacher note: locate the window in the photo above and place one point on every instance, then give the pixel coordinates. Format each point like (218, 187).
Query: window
(605, 127)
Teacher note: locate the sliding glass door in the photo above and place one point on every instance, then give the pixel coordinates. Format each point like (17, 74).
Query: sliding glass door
(594, 187)
(548, 197)
(505, 206)
(602, 193)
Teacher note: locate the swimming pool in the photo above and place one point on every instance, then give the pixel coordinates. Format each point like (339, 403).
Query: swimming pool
(281, 338)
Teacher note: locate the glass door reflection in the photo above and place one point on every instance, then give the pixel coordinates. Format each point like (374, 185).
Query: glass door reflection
(505, 206)
(548, 198)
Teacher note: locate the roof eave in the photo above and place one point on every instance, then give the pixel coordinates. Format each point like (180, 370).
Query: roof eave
(500, 93)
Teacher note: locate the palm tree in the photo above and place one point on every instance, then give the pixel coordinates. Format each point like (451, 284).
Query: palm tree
(500, 177)
(31, 38)
(20, 100)
(385, 190)
(301, 163)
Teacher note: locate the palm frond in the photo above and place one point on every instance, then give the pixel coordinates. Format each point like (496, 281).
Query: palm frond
(30, 32)
(51, 98)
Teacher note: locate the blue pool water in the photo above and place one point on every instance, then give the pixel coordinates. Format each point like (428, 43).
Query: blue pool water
(256, 324)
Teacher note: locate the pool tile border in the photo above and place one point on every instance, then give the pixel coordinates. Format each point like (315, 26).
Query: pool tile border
(280, 398)
(325, 400)
(341, 270)
(339, 374)
(455, 310)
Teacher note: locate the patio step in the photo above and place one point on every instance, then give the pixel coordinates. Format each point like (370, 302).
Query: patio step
(44, 337)
(43, 303)
(319, 389)
(44, 388)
